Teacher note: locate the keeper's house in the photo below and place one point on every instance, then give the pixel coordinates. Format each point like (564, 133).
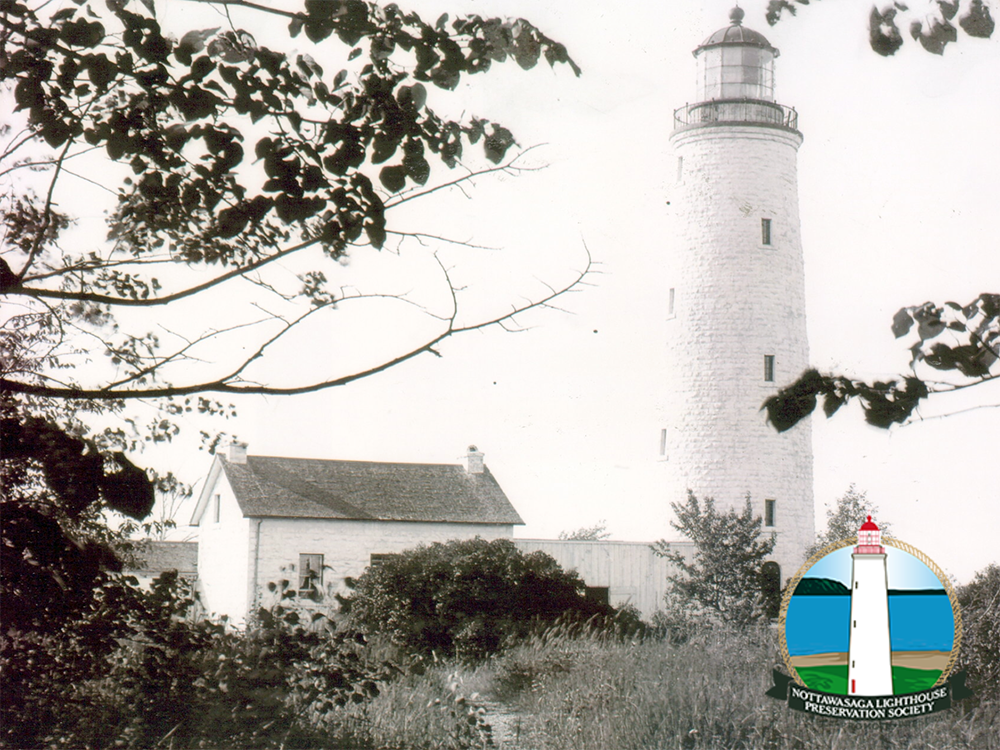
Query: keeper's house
(263, 519)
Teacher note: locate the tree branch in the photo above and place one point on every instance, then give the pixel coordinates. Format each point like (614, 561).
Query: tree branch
(222, 385)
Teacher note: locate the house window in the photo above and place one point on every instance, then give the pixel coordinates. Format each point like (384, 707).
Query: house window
(769, 368)
(310, 573)
(663, 442)
(769, 512)
(671, 296)
(378, 558)
(765, 231)
(216, 508)
(599, 594)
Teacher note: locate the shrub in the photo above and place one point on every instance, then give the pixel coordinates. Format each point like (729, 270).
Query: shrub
(467, 598)
(165, 680)
(980, 655)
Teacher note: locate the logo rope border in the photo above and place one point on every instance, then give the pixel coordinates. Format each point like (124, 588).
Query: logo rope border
(898, 544)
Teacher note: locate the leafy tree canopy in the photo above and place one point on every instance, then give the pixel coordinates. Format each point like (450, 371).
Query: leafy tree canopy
(845, 518)
(724, 578)
(930, 22)
(227, 165)
(960, 340)
(233, 178)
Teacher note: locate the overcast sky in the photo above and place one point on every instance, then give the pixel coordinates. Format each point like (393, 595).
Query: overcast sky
(899, 184)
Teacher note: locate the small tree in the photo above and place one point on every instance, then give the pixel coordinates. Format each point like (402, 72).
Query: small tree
(844, 520)
(466, 597)
(724, 577)
(596, 533)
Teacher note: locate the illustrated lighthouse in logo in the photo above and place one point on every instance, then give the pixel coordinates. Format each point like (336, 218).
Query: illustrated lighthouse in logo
(869, 669)
(734, 296)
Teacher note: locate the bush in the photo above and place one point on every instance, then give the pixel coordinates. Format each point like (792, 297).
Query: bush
(980, 655)
(467, 598)
(135, 672)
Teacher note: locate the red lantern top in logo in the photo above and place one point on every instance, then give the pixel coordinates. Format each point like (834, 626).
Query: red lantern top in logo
(869, 540)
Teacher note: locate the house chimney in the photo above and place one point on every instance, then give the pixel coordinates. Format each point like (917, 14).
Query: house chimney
(474, 460)
(237, 453)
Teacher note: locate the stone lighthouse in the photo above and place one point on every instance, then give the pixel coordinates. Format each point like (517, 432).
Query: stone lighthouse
(734, 295)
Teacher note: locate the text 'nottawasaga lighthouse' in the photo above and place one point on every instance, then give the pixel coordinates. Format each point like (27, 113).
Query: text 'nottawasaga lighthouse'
(735, 295)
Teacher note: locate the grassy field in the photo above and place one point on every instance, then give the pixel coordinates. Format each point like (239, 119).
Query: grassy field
(565, 692)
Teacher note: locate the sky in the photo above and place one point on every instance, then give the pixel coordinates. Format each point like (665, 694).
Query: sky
(903, 569)
(899, 185)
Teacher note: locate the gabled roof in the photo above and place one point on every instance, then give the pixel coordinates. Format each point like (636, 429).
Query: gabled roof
(271, 487)
(155, 557)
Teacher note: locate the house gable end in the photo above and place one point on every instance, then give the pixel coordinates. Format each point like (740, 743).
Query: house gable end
(207, 492)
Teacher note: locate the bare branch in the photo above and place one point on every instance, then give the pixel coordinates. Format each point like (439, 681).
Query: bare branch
(227, 385)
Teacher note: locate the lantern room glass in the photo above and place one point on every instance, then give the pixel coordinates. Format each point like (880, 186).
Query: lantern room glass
(735, 71)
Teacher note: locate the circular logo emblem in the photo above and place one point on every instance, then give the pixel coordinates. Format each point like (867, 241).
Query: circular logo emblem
(870, 616)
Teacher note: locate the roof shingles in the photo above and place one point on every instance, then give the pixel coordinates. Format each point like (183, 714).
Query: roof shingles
(268, 486)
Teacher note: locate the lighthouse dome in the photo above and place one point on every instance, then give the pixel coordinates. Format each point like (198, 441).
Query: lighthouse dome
(736, 63)
(737, 33)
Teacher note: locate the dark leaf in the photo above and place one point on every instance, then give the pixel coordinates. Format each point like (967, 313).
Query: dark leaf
(884, 35)
(375, 229)
(948, 10)
(231, 222)
(496, 144)
(194, 41)
(82, 33)
(393, 178)
(978, 22)
(901, 323)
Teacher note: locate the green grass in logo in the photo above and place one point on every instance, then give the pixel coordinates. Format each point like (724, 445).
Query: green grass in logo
(833, 679)
(908, 680)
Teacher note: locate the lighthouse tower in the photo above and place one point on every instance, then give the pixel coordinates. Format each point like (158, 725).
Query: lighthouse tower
(735, 295)
(869, 667)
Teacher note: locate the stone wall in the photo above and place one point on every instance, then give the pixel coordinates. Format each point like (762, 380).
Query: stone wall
(736, 300)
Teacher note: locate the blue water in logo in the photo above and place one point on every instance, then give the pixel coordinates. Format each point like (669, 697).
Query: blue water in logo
(820, 624)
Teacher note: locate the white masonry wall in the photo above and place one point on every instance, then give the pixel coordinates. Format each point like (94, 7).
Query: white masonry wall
(347, 546)
(735, 301)
(223, 556)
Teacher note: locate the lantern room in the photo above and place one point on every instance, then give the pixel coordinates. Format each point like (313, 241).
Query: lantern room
(869, 539)
(736, 63)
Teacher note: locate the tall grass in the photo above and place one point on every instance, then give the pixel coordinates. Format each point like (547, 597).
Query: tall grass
(584, 692)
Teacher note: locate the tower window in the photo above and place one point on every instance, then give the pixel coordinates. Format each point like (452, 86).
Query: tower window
(671, 298)
(765, 231)
(769, 368)
(663, 441)
(680, 168)
(769, 512)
